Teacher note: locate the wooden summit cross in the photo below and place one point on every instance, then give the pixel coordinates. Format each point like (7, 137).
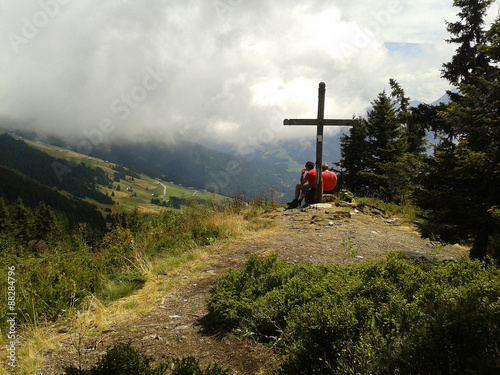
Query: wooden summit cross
(320, 122)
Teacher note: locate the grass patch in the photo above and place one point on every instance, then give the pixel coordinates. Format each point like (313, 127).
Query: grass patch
(131, 305)
(122, 285)
(163, 266)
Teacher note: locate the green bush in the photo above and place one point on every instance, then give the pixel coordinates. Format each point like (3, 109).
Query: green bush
(54, 281)
(385, 317)
(126, 360)
(52, 284)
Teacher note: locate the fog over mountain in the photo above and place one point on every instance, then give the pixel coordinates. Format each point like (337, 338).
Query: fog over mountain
(217, 72)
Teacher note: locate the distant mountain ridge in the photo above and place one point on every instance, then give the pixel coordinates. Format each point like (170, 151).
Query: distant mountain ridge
(443, 99)
(273, 169)
(193, 165)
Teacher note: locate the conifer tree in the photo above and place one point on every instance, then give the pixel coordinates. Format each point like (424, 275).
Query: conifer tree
(374, 154)
(20, 222)
(354, 157)
(468, 34)
(44, 223)
(477, 126)
(385, 143)
(461, 186)
(384, 133)
(4, 215)
(413, 131)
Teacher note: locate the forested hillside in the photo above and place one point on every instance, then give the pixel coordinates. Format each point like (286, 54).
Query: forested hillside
(29, 177)
(16, 187)
(77, 179)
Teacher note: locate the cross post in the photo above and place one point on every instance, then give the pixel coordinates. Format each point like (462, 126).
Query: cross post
(320, 122)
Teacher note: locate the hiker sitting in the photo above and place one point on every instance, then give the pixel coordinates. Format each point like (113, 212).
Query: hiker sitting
(307, 184)
(329, 179)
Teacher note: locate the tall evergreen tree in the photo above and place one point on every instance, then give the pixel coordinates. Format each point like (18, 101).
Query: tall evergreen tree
(374, 155)
(468, 34)
(461, 187)
(44, 223)
(4, 215)
(353, 157)
(20, 222)
(413, 132)
(385, 143)
(384, 133)
(477, 123)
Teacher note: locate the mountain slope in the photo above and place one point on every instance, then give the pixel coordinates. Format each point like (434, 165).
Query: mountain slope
(191, 164)
(80, 188)
(270, 169)
(77, 179)
(174, 321)
(13, 185)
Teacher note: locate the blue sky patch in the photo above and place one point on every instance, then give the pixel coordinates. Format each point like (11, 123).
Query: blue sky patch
(404, 49)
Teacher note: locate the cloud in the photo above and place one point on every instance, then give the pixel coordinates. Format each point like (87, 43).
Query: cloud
(219, 71)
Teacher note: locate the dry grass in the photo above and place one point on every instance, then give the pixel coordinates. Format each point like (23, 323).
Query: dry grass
(30, 347)
(91, 322)
(88, 325)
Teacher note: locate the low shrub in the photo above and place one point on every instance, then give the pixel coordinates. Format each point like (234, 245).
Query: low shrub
(123, 359)
(394, 316)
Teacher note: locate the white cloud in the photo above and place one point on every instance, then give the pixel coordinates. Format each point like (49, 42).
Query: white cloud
(226, 70)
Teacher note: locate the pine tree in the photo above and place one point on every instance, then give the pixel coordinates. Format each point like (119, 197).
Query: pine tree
(386, 144)
(354, 156)
(381, 154)
(4, 215)
(477, 125)
(413, 132)
(468, 34)
(461, 187)
(441, 195)
(44, 223)
(20, 222)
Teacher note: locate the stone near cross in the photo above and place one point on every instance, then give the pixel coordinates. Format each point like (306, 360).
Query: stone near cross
(320, 122)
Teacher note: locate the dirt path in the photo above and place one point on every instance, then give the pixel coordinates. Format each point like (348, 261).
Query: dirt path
(164, 189)
(174, 325)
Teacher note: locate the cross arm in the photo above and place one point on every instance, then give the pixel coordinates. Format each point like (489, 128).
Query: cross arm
(315, 122)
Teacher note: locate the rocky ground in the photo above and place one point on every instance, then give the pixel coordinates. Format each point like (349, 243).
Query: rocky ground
(175, 326)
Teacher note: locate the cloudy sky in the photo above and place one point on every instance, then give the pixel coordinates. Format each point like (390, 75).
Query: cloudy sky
(223, 71)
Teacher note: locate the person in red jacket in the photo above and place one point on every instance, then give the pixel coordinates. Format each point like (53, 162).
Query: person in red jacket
(329, 180)
(307, 182)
